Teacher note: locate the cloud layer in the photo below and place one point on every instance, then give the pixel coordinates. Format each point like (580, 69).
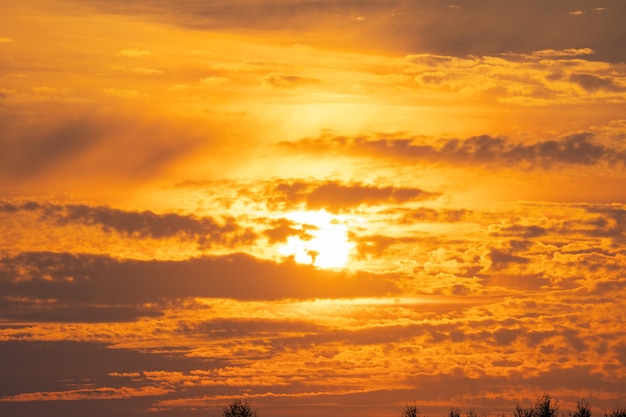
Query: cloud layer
(324, 207)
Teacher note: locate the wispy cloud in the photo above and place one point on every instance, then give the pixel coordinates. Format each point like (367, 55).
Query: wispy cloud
(337, 196)
(575, 149)
(94, 278)
(170, 186)
(205, 231)
(278, 80)
(134, 53)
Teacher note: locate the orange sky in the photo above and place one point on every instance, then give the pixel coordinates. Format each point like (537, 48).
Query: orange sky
(327, 207)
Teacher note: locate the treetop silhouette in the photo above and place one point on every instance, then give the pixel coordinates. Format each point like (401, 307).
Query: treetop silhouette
(239, 408)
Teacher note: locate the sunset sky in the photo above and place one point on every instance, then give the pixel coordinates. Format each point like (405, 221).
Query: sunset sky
(328, 208)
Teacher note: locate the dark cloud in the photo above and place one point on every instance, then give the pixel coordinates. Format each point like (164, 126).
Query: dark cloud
(500, 259)
(374, 245)
(91, 279)
(206, 231)
(491, 391)
(281, 229)
(249, 328)
(471, 28)
(92, 145)
(16, 309)
(47, 367)
(611, 221)
(429, 215)
(574, 149)
(40, 149)
(599, 221)
(594, 83)
(336, 196)
(278, 80)
(505, 336)
(521, 231)
(50, 366)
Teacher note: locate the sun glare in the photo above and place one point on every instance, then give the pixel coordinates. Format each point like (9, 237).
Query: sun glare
(325, 244)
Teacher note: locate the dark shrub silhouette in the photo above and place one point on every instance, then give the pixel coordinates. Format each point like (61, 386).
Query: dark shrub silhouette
(472, 413)
(239, 408)
(411, 411)
(617, 412)
(543, 407)
(582, 409)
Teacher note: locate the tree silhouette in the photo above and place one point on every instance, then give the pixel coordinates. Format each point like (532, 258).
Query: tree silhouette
(238, 408)
(617, 412)
(582, 409)
(543, 407)
(411, 411)
(472, 413)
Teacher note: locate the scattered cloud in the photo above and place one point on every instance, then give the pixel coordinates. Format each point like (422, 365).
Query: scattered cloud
(205, 231)
(121, 92)
(148, 71)
(427, 215)
(103, 393)
(336, 196)
(134, 53)
(214, 80)
(574, 149)
(128, 282)
(278, 80)
(592, 83)
(163, 213)
(569, 52)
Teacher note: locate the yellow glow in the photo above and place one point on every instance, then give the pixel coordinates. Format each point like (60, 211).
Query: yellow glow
(328, 245)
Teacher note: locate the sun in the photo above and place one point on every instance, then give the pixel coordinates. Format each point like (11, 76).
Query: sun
(325, 243)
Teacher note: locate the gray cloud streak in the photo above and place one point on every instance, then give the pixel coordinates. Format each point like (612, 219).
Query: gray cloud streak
(574, 149)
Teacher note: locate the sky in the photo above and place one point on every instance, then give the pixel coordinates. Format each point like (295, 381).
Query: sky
(324, 207)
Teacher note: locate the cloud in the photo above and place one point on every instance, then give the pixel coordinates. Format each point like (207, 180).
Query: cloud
(401, 26)
(501, 259)
(278, 80)
(569, 52)
(205, 231)
(521, 231)
(514, 77)
(337, 196)
(587, 220)
(374, 245)
(66, 370)
(90, 144)
(593, 83)
(101, 393)
(148, 71)
(6, 40)
(281, 229)
(214, 80)
(134, 53)
(20, 309)
(121, 92)
(573, 149)
(92, 279)
(427, 215)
